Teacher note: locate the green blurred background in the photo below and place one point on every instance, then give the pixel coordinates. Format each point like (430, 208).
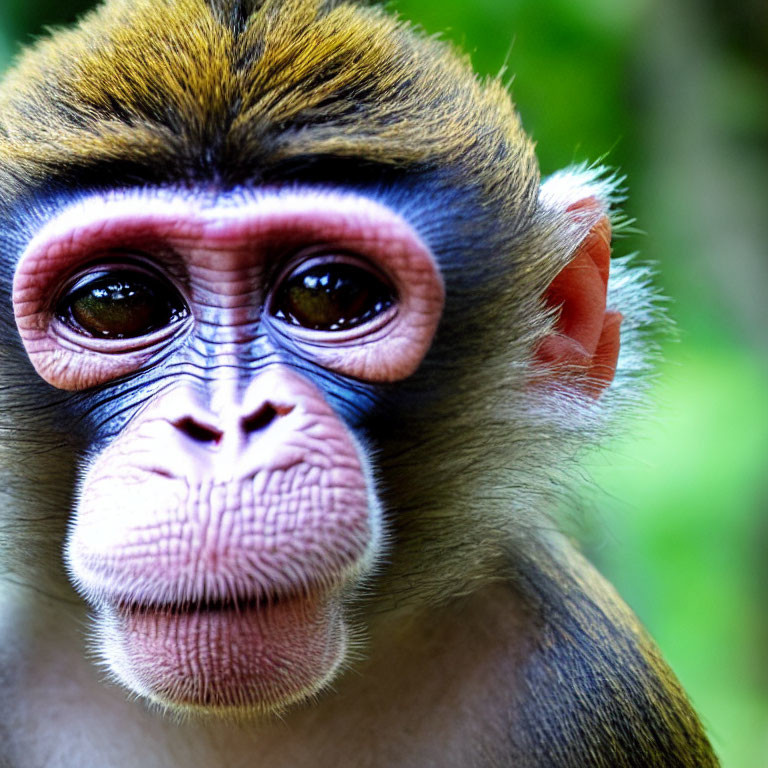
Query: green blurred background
(676, 96)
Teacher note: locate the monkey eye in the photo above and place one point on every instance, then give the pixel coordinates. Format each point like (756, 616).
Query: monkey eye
(331, 296)
(120, 304)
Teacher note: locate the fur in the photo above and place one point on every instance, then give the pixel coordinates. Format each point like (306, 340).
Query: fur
(226, 95)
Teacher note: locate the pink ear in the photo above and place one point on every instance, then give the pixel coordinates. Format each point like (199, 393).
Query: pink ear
(584, 348)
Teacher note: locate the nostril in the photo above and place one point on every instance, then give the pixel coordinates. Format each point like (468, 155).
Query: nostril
(263, 417)
(200, 433)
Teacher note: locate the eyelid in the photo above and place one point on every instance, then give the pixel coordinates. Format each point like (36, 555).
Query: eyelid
(105, 268)
(321, 255)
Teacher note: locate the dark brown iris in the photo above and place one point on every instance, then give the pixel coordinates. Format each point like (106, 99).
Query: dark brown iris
(121, 305)
(332, 297)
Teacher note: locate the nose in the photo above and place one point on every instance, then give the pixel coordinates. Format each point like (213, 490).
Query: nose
(206, 429)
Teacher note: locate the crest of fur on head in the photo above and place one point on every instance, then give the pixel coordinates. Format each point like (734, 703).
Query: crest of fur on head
(242, 91)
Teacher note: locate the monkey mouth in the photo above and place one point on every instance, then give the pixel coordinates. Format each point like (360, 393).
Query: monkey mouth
(247, 654)
(238, 604)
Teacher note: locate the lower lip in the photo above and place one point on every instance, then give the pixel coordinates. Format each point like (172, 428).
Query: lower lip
(259, 658)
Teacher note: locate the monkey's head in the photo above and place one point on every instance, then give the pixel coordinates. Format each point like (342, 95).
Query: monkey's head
(298, 309)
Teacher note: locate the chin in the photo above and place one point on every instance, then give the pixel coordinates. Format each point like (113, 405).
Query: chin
(236, 659)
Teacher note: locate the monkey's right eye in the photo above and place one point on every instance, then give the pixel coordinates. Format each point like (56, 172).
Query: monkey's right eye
(120, 304)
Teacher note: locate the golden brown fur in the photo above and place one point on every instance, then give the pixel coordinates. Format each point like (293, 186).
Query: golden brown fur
(200, 87)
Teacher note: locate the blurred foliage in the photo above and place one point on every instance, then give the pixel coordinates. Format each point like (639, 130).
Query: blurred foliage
(673, 94)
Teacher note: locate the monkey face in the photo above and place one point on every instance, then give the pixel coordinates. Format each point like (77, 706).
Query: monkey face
(221, 533)
(226, 333)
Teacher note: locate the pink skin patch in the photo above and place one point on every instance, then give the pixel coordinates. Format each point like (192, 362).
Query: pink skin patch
(218, 566)
(259, 514)
(217, 536)
(222, 257)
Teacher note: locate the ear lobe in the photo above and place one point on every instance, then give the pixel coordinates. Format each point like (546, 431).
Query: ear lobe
(584, 348)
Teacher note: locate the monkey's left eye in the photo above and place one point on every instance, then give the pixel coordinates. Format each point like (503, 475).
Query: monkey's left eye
(332, 296)
(120, 304)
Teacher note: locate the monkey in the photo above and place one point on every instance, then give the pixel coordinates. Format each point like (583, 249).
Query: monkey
(299, 353)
